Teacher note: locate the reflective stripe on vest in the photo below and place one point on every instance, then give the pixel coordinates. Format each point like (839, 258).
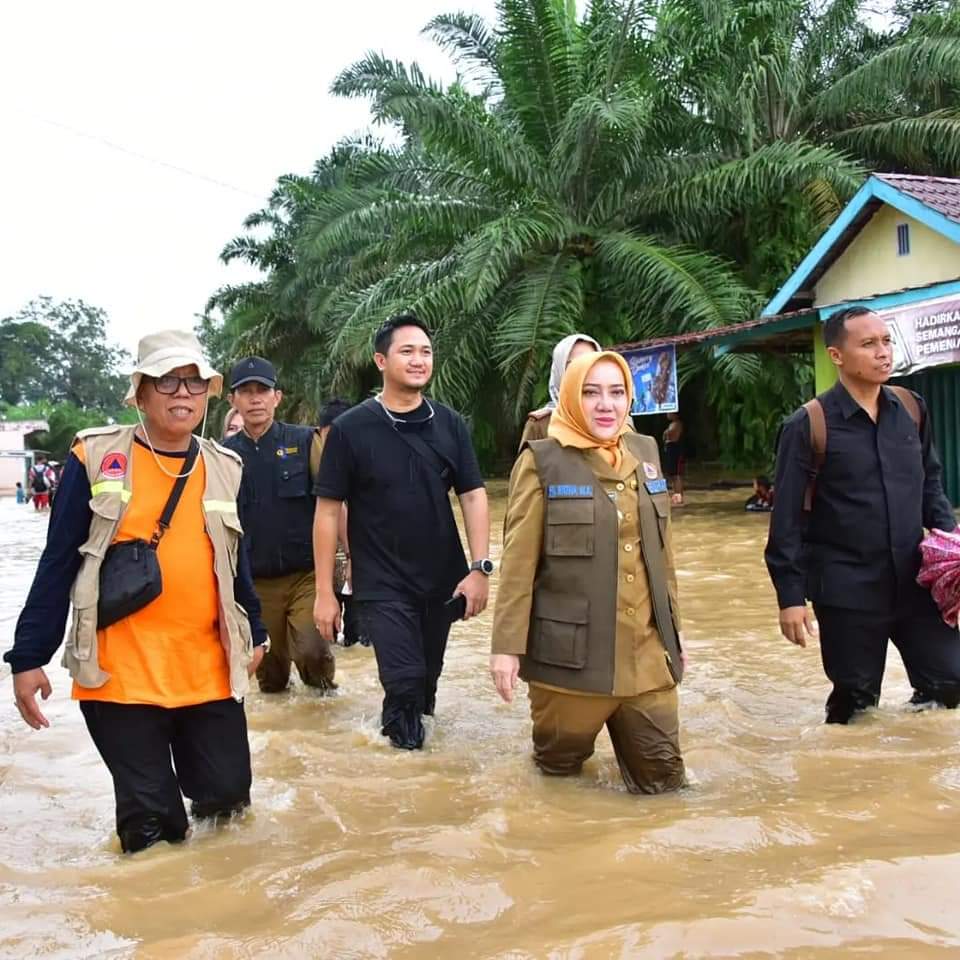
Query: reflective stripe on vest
(111, 486)
(220, 506)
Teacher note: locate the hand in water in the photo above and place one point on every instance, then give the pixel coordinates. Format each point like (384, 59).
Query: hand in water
(475, 587)
(797, 624)
(505, 669)
(25, 687)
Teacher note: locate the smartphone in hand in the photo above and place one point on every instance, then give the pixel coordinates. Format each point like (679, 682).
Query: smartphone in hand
(456, 608)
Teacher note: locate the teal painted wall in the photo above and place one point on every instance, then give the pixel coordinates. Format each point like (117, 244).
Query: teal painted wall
(940, 387)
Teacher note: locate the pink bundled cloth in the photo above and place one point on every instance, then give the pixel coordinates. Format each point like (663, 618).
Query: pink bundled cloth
(940, 572)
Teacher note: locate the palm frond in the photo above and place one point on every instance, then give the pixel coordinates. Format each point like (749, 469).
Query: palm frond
(470, 41)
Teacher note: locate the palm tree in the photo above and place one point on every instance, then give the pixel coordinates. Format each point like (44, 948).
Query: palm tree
(531, 199)
(271, 316)
(750, 79)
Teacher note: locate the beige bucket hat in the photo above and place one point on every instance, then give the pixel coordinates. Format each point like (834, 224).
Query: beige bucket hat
(159, 353)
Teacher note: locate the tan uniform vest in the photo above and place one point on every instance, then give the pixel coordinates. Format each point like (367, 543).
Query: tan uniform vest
(573, 628)
(108, 503)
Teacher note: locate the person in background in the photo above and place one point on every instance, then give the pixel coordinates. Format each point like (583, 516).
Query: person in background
(160, 685)
(232, 423)
(850, 542)
(762, 499)
(56, 472)
(280, 462)
(569, 348)
(587, 611)
(341, 579)
(42, 481)
(393, 460)
(21, 496)
(674, 461)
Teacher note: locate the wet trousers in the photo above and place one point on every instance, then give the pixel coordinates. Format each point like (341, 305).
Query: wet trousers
(286, 606)
(351, 628)
(644, 730)
(853, 647)
(409, 640)
(210, 764)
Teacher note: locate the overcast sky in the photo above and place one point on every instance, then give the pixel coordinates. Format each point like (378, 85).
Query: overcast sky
(233, 92)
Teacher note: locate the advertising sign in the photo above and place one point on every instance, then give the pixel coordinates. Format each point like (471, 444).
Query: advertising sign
(924, 334)
(654, 379)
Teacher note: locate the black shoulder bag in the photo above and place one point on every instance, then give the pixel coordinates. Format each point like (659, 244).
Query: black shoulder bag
(130, 573)
(439, 463)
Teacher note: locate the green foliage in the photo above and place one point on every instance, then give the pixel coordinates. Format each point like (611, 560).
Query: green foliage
(642, 170)
(55, 353)
(748, 414)
(65, 420)
(56, 364)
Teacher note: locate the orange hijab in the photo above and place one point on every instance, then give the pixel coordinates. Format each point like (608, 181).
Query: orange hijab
(569, 424)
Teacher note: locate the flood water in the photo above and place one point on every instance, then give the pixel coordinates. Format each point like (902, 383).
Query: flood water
(795, 840)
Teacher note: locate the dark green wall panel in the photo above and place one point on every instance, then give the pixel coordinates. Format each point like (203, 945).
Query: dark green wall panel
(940, 387)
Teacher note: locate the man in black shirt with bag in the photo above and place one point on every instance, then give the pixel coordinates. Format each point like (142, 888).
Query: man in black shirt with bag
(393, 460)
(857, 481)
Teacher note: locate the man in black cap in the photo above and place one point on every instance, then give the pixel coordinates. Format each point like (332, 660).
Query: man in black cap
(280, 463)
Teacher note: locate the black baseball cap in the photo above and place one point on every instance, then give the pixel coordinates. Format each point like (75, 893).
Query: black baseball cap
(253, 370)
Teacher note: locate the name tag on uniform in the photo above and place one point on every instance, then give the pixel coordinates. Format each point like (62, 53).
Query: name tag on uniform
(558, 491)
(656, 486)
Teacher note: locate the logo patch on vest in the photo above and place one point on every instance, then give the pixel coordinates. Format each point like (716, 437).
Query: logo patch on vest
(114, 466)
(650, 471)
(284, 452)
(559, 491)
(656, 486)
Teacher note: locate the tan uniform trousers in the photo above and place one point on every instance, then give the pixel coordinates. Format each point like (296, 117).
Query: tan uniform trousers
(645, 731)
(286, 605)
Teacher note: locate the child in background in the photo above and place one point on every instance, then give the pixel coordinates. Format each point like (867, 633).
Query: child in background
(21, 495)
(762, 499)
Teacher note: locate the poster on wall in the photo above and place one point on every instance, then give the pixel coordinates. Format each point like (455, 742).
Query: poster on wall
(924, 335)
(654, 379)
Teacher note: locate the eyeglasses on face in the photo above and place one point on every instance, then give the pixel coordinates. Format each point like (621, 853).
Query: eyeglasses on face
(169, 384)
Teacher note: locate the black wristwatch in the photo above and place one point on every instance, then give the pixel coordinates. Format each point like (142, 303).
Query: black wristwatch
(485, 566)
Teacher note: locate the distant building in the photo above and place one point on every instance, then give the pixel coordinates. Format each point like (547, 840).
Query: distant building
(15, 459)
(894, 248)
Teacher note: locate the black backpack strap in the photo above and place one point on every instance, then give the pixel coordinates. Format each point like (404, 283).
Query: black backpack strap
(438, 463)
(163, 524)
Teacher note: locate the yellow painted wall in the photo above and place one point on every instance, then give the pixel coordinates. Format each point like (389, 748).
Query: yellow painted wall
(825, 373)
(870, 265)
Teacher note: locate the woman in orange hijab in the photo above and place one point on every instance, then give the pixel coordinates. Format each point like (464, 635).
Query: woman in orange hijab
(587, 610)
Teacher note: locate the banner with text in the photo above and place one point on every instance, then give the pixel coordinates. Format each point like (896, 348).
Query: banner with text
(925, 334)
(654, 379)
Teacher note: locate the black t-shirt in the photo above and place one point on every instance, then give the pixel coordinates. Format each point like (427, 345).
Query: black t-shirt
(403, 537)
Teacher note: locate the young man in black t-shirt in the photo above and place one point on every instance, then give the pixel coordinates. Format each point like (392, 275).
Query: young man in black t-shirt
(393, 461)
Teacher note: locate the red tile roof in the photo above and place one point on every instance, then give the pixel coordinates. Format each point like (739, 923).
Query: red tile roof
(939, 193)
(695, 337)
(711, 333)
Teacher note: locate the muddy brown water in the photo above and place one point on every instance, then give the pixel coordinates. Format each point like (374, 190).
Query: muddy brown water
(794, 840)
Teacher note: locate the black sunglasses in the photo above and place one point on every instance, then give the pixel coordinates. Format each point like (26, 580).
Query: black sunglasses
(168, 384)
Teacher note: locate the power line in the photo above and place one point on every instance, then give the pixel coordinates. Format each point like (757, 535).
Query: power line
(103, 141)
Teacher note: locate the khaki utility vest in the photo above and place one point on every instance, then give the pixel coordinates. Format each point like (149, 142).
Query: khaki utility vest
(109, 501)
(572, 640)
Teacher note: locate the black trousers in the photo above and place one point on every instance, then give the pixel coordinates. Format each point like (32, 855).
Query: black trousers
(210, 756)
(352, 634)
(409, 640)
(853, 647)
